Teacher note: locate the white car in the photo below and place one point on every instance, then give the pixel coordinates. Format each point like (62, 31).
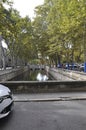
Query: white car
(6, 101)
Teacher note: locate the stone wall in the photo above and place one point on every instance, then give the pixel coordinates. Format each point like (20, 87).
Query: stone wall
(45, 87)
(66, 75)
(11, 73)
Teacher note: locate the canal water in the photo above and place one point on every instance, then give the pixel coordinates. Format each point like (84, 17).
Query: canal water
(30, 75)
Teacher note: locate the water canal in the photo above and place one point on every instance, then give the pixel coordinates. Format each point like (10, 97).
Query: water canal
(31, 75)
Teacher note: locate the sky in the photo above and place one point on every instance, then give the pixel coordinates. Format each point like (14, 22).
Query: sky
(26, 7)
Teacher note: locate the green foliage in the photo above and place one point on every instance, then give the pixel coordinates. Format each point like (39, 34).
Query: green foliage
(57, 31)
(17, 32)
(66, 21)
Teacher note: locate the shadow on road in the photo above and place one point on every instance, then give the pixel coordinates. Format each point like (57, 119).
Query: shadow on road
(6, 120)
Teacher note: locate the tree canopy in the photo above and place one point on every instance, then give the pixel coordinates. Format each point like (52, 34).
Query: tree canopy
(58, 31)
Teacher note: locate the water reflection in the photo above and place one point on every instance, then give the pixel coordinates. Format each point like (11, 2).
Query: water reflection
(32, 75)
(41, 77)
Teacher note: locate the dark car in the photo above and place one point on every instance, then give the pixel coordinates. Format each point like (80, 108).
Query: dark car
(74, 66)
(6, 101)
(81, 67)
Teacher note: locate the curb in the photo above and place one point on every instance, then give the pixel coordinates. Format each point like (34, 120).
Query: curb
(48, 100)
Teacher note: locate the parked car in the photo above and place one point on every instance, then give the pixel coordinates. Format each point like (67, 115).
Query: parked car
(74, 66)
(6, 101)
(81, 67)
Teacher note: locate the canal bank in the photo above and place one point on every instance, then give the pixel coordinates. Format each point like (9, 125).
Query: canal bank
(50, 86)
(66, 75)
(8, 74)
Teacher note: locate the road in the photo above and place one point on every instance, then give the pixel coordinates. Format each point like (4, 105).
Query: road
(56, 115)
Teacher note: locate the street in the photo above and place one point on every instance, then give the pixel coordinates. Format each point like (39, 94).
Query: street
(56, 115)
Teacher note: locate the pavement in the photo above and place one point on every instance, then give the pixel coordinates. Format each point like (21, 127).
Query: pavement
(46, 97)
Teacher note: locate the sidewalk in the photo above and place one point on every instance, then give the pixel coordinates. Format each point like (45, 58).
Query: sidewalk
(67, 96)
(72, 75)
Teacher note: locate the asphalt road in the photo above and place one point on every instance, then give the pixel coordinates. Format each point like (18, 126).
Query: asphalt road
(60, 115)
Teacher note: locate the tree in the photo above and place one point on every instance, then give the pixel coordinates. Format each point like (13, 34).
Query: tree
(65, 25)
(40, 31)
